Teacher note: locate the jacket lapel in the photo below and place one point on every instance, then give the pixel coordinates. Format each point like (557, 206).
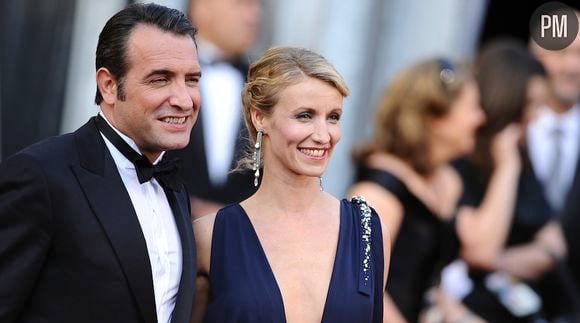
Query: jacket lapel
(574, 191)
(530, 186)
(109, 200)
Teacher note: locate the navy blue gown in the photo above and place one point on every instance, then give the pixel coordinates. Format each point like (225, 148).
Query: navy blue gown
(243, 287)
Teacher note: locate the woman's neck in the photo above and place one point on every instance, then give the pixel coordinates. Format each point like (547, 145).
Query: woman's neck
(292, 193)
(439, 156)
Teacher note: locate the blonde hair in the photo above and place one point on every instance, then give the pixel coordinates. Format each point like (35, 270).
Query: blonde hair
(424, 91)
(279, 68)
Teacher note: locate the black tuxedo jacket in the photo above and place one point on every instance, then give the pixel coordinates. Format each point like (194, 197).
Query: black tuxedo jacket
(559, 286)
(71, 247)
(570, 216)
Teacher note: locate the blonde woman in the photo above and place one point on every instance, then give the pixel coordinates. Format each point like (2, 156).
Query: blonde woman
(292, 252)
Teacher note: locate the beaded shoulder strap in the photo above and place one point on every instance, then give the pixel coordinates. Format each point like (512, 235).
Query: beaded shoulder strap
(366, 231)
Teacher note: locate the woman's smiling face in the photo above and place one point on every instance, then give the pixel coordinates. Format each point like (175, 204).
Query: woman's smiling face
(303, 128)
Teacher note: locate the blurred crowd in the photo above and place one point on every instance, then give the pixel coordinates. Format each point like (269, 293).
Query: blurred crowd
(474, 169)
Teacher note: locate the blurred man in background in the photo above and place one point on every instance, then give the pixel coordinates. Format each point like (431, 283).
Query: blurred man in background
(554, 142)
(227, 29)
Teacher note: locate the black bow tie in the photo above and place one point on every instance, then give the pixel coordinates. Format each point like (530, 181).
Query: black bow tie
(165, 172)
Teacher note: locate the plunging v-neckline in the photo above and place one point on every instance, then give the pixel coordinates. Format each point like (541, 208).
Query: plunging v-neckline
(270, 272)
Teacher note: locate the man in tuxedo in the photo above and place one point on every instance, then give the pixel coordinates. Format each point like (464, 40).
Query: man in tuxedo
(553, 142)
(227, 29)
(93, 226)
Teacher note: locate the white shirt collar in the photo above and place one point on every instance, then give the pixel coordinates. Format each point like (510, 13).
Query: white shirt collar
(548, 119)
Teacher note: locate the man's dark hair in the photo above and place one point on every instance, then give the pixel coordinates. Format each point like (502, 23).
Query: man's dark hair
(112, 45)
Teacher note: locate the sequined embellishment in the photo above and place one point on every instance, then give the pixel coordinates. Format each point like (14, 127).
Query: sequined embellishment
(366, 233)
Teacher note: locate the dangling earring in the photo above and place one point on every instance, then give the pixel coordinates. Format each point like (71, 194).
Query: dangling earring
(321, 188)
(257, 156)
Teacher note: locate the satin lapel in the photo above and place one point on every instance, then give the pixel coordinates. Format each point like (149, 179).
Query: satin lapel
(109, 200)
(184, 302)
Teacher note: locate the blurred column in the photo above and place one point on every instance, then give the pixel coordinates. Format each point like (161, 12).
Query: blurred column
(1, 132)
(90, 17)
(415, 30)
(34, 55)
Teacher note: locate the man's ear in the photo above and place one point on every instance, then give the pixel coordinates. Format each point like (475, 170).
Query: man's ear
(108, 85)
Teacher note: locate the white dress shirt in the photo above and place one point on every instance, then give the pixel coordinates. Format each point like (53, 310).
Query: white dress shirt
(158, 227)
(540, 143)
(221, 87)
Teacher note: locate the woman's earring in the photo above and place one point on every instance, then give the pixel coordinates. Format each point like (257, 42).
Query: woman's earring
(321, 188)
(257, 157)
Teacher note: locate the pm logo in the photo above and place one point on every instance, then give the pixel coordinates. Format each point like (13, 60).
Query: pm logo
(554, 25)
